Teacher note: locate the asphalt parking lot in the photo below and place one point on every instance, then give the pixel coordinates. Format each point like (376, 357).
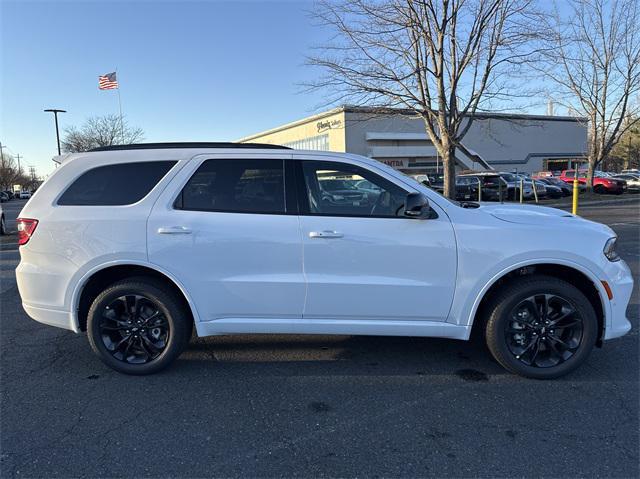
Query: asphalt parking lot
(313, 406)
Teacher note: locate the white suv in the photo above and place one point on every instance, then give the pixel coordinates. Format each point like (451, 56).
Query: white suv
(137, 244)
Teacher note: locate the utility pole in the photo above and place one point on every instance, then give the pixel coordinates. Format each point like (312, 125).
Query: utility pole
(55, 114)
(2, 154)
(19, 168)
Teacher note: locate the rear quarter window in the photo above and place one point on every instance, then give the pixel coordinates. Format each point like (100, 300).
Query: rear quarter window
(118, 184)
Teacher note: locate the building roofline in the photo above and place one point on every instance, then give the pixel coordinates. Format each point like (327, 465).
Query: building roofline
(400, 111)
(293, 124)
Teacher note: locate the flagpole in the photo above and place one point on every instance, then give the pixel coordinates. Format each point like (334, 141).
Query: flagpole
(120, 108)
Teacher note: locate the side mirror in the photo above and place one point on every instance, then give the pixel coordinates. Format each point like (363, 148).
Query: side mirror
(417, 206)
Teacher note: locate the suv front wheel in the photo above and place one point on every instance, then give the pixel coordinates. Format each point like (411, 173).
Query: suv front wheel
(138, 326)
(540, 327)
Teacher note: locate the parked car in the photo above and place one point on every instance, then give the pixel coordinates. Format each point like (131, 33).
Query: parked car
(542, 174)
(633, 171)
(632, 181)
(551, 190)
(436, 182)
(513, 187)
(342, 191)
(25, 195)
(493, 188)
(600, 184)
(138, 244)
(565, 188)
(3, 197)
(9, 194)
(3, 224)
(540, 187)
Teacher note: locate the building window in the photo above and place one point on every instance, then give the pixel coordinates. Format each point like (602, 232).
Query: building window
(319, 142)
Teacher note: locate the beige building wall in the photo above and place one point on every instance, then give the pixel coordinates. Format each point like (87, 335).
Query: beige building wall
(328, 127)
(495, 141)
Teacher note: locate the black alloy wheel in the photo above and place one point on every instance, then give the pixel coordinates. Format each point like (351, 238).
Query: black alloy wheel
(134, 329)
(540, 326)
(139, 325)
(543, 330)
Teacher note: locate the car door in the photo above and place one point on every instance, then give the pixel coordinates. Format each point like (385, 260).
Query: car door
(226, 231)
(363, 259)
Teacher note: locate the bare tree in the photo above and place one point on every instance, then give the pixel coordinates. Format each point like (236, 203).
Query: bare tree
(9, 174)
(444, 60)
(100, 131)
(594, 62)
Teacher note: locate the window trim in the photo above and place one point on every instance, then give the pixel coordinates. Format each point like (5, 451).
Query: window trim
(303, 198)
(70, 183)
(290, 198)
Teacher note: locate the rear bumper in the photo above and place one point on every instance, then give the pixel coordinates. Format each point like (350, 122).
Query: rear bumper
(51, 317)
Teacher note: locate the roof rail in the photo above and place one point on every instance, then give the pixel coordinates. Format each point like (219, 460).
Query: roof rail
(164, 146)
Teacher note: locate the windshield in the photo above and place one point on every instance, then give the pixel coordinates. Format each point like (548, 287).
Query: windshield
(509, 177)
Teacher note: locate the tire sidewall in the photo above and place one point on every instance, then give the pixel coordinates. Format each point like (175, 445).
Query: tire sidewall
(564, 290)
(162, 301)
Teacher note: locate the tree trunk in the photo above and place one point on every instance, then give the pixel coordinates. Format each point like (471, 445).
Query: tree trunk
(449, 168)
(590, 170)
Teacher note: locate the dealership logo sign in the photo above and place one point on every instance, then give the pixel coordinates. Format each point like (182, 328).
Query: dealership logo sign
(328, 125)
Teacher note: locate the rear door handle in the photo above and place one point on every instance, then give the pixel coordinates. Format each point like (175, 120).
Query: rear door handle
(325, 234)
(174, 230)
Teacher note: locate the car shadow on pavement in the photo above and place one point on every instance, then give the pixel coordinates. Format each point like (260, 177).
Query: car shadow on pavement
(362, 356)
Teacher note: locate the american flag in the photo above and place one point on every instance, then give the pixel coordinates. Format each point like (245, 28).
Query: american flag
(108, 81)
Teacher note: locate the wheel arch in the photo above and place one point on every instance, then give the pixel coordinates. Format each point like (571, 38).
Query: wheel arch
(95, 281)
(583, 279)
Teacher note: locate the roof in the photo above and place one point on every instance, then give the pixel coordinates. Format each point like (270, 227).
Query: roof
(399, 111)
(165, 146)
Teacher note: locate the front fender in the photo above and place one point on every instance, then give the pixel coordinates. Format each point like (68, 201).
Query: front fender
(466, 303)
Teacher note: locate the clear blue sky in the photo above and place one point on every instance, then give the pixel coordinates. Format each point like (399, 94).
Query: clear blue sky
(188, 71)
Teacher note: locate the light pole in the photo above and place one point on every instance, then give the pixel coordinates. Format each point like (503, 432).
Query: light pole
(55, 114)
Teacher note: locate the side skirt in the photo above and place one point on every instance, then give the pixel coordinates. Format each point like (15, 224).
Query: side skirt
(332, 326)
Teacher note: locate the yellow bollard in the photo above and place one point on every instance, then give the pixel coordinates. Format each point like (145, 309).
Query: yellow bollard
(521, 190)
(574, 210)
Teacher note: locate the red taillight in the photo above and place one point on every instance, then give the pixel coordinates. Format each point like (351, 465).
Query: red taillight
(26, 227)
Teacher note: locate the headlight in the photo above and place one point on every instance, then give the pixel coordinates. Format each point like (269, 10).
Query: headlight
(610, 249)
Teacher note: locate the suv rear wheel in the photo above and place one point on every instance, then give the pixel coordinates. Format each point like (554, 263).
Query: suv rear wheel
(541, 327)
(138, 326)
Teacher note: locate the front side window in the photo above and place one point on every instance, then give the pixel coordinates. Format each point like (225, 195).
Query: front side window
(236, 186)
(114, 185)
(339, 189)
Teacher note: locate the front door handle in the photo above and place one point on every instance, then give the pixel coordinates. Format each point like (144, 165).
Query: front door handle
(174, 230)
(325, 234)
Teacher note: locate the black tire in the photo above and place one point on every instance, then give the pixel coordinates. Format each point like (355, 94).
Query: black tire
(173, 334)
(509, 348)
(599, 189)
(3, 226)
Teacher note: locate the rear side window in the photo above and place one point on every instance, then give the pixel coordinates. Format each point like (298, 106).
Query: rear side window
(119, 184)
(236, 186)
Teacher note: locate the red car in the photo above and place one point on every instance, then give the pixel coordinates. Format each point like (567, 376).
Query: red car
(601, 184)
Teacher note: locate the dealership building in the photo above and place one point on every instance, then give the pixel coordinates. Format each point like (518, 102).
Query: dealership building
(505, 142)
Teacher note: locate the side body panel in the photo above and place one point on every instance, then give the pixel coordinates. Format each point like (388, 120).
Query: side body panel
(233, 264)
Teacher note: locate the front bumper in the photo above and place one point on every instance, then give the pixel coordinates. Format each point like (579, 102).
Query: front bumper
(621, 283)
